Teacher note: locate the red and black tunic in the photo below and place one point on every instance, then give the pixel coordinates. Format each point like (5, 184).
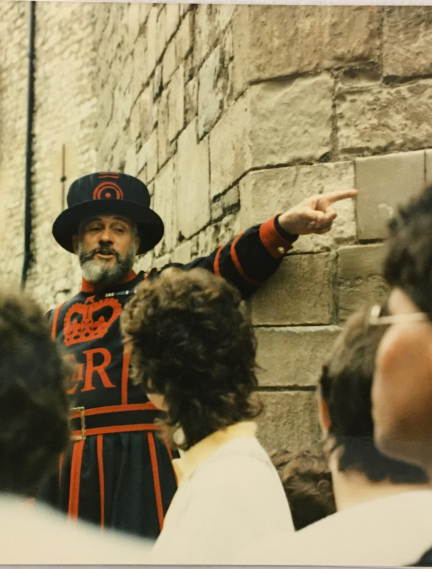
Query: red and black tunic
(121, 475)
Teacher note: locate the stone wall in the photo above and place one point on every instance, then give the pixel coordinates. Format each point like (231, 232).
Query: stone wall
(230, 114)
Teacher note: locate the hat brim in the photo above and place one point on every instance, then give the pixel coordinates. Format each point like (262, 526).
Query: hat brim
(149, 224)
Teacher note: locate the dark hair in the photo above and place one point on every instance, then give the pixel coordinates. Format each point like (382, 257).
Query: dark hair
(34, 409)
(192, 343)
(345, 385)
(408, 263)
(307, 482)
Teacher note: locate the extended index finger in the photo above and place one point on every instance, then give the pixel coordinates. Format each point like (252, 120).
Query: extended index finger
(332, 197)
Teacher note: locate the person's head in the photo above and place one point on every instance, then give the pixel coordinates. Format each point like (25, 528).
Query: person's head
(346, 407)
(192, 343)
(402, 390)
(106, 246)
(100, 206)
(307, 482)
(34, 408)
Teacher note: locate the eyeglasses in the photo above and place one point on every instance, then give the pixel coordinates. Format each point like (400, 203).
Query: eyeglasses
(376, 319)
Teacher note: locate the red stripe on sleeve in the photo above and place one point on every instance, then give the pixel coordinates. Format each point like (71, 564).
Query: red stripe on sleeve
(272, 240)
(75, 479)
(156, 480)
(99, 450)
(216, 268)
(237, 263)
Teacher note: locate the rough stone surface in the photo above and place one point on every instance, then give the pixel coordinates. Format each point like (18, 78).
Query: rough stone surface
(289, 420)
(193, 208)
(300, 292)
(230, 153)
(384, 183)
(306, 38)
(210, 91)
(164, 201)
(291, 120)
(382, 119)
(293, 356)
(359, 278)
(407, 33)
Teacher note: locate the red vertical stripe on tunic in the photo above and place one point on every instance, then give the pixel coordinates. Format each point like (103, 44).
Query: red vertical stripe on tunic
(75, 479)
(125, 376)
(61, 457)
(156, 480)
(99, 449)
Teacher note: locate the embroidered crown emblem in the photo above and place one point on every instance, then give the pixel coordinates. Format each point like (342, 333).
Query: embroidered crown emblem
(82, 324)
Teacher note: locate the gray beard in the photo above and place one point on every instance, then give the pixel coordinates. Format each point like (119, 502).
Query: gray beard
(99, 275)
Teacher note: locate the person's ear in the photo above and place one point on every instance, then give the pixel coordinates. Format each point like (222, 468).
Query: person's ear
(324, 415)
(137, 242)
(75, 242)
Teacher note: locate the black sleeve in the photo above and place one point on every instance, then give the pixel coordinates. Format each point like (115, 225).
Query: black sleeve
(249, 259)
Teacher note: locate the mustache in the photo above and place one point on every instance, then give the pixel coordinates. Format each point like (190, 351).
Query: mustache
(102, 250)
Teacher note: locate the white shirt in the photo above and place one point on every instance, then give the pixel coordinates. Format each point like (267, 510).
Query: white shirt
(395, 530)
(36, 534)
(229, 495)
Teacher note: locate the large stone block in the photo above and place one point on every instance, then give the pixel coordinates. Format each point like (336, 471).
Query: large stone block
(182, 253)
(191, 100)
(184, 37)
(283, 40)
(164, 199)
(193, 203)
(169, 62)
(291, 120)
(300, 292)
(151, 155)
(162, 128)
(210, 22)
(293, 356)
(146, 108)
(172, 19)
(133, 23)
(263, 193)
(289, 420)
(205, 32)
(384, 183)
(151, 40)
(230, 152)
(176, 104)
(359, 278)
(211, 90)
(407, 41)
(384, 118)
(161, 33)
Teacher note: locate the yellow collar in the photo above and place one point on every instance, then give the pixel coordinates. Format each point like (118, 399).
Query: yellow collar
(185, 466)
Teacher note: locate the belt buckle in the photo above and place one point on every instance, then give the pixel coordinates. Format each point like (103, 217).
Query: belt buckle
(81, 411)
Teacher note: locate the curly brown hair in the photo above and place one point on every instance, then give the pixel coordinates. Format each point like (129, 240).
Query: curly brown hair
(34, 408)
(307, 482)
(192, 343)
